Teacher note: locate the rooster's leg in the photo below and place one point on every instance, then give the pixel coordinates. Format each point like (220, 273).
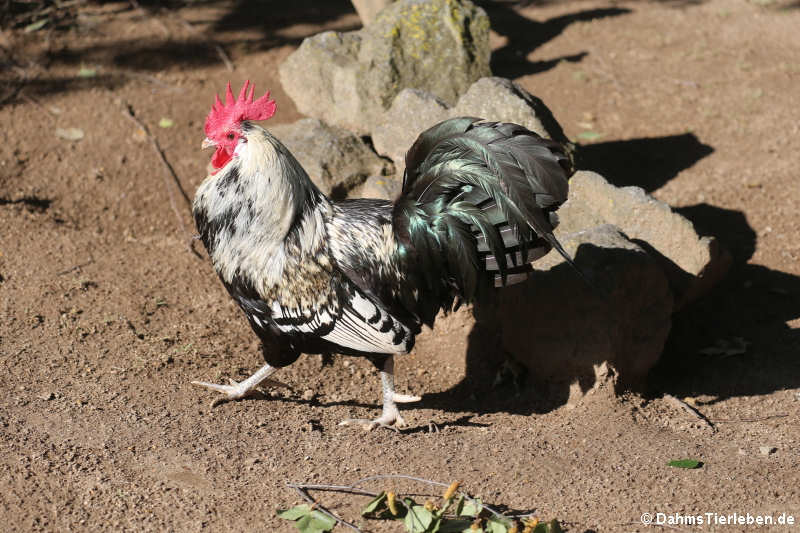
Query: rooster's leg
(236, 390)
(390, 417)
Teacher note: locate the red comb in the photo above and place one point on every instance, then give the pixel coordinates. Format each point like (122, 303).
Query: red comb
(234, 111)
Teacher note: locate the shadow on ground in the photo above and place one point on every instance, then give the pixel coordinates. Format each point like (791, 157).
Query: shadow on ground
(245, 27)
(648, 162)
(754, 303)
(526, 35)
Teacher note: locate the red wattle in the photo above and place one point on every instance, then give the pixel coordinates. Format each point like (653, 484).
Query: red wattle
(220, 158)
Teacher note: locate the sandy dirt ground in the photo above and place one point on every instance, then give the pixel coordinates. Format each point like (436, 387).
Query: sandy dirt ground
(106, 315)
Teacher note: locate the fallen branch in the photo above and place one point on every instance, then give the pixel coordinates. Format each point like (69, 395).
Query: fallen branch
(316, 505)
(127, 111)
(754, 419)
(76, 267)
(691, 410)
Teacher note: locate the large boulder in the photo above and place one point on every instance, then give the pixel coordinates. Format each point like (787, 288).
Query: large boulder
(397, 130)
(565, 332)
(350, 79)
(693, 264)
(336, 160)
(490, 98)
(501, 100)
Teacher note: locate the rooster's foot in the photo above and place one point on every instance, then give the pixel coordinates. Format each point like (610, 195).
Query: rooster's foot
(248, 387)
(387, 420)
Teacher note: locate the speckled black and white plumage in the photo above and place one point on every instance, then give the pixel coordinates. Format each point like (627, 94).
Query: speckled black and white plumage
(360, 277)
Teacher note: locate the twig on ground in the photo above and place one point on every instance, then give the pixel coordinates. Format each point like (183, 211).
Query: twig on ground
(689, 409)
(430, 482)
(127, 111)
(754, 419)
(333, 488)
(37, 104)
(316, 505)
(76, 267)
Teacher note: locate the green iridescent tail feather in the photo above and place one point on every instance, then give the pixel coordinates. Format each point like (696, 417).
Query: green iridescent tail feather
(479, 197)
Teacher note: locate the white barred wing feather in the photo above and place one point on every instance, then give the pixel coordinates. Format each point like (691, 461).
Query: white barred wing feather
(359, 324)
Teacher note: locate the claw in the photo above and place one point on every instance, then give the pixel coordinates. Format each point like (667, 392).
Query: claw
(248, 387)
(234, 391)
(405, 398)
(393, 423)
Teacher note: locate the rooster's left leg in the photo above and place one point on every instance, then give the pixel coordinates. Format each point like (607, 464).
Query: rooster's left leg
(390, 416)
(237, 390)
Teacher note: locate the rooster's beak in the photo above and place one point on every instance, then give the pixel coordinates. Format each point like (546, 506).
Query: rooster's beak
(206, 143)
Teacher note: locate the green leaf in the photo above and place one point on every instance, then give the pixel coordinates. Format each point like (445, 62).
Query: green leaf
(38, 25)
(86, 72)
(305, 525)
(459, 504)
(295, 512)
(315, 522)
(685, 463)
(495, 525)
(418, 519)
(589, 135)
(374, 503)
(166, 122)
(322, 521)
(471, 508)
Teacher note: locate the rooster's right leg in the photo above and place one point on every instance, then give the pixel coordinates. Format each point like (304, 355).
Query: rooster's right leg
(237, 390)
(390, 416)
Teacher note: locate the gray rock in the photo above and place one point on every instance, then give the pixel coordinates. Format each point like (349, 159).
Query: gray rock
(368, 9)
(493, 99)
(566, 333)
(502, 100)
(380, 187)
(322, 77)
(336, 160)
(693, 264)
(398, 128)
(350, 79)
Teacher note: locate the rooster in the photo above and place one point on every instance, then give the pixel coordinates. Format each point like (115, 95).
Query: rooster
(361, 276)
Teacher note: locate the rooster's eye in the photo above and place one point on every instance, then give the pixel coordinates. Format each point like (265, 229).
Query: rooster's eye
(230, 136)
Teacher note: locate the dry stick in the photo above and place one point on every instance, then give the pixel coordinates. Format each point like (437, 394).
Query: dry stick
(355, 490)
(689, 409)
(332, 488)
(322, 509)
(431, 482)
(76, 267)
(754, 419)
(128, 112)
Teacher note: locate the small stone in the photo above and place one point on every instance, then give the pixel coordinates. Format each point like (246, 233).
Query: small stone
(308, 395)
(767, 450)
(70, 134)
